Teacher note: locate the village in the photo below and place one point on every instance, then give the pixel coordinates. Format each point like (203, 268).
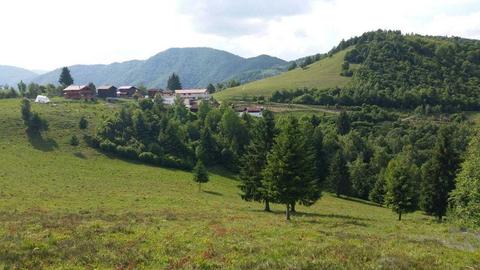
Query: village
(191, 98)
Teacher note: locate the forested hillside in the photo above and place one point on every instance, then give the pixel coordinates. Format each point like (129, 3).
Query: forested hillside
(404, 71)
(197, 67)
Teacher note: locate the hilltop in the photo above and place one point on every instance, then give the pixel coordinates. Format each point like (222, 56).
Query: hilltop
(389, 69)
(197, 67)
(85, 209)
(322, 74)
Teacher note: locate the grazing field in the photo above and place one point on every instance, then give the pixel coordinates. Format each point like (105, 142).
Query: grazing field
(322, 74)
(65, 207)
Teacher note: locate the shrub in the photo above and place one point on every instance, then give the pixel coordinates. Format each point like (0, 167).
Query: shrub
(74, 140)
(108, 146)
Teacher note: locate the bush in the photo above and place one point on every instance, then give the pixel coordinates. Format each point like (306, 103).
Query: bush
(127, 152)
(108, 146)
(148, 157)
(74, 140)
(83, 124)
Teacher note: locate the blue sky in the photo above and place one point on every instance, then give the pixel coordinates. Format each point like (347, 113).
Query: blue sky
(52, 33)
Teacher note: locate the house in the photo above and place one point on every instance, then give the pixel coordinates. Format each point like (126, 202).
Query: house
(168, 98)
(78, 92)
(106, 91)
(152, 92)
(192, 94)
(253, 111)
(126, 91)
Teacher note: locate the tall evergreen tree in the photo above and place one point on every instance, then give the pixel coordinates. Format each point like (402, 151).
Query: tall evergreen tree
(174, 83)
(338, 176)
(438, 175)
(289, 175)
(401, 178)
(65, 77)
(255, 158)
(210, 88)
(343, 123)
(465, 198)
(200, 174)
(26, 111)
(22, 88)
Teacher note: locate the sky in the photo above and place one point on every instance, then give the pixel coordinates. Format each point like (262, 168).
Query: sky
(47, 34)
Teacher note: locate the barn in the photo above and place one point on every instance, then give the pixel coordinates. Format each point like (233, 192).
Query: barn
(126, 91)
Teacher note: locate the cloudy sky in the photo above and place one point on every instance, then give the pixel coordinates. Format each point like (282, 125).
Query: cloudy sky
(45, 34)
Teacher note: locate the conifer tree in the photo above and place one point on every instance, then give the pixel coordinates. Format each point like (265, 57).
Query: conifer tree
(65, 77)
(465, 198)
(200, 174)
(289, 175)
(210, 88)
(174, 83)
(438, 175)
(83, 123)
(254, 160)
(26, 111)
(339, 178)
(401, 178)
(343, 123)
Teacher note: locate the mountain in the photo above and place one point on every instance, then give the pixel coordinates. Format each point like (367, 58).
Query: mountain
(324, 73)
(387, 69)
(12, 75)
(197, 67)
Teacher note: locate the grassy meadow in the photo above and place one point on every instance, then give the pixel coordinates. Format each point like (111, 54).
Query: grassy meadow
(322, 74)
(66, 207)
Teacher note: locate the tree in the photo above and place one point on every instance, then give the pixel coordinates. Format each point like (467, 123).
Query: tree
(377, 194)
(92, 87)
(289, 175)
(174, 83)
(22, 88)
(200, 174)
(83, 123)
(26, 111)
(401, 178)
(438, 175)
(362, 181)
(255, 158)
(210, 88)
(65, 77)
(465, 199)
(339, 178)
(343, 123)
(292, 66)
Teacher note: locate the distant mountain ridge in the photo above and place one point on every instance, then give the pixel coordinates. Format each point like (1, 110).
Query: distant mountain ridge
(197, 67)
(12, 75)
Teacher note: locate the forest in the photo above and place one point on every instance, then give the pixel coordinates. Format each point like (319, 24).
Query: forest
(368, 153)
(402, 71)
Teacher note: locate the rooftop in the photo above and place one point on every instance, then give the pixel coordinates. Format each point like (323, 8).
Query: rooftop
(75, 87)
(191, 91)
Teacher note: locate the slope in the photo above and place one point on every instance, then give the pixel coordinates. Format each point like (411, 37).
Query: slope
(12, 75)
(322, 74)
(65, 207)
(197, 67)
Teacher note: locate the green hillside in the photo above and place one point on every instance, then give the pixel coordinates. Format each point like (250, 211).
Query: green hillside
(322, 74)
(66, 207)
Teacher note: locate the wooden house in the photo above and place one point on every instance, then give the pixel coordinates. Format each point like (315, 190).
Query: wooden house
(126, 91)
(106, 91)
(78, 92)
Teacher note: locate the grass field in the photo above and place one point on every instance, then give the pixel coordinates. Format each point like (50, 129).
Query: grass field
(65, 207)
(322, 74)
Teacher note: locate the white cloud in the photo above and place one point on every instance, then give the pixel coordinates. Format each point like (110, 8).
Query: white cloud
(51, 33)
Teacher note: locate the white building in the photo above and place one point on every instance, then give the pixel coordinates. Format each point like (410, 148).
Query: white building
(193, 94)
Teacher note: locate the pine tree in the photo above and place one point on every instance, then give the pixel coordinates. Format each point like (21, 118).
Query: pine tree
(401, 178)
(22, 88)
(438, 175)
(200, 174)
(174, 83)
(210, 88)
(255, 158)
(289, 176)
(65, 77)
(362, 181)
(465, 199)
(343, 123)
(377, 194)
(339, 178)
